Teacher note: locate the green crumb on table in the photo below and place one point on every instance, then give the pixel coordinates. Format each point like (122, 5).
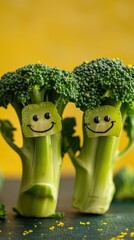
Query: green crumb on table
(103, 223)
(84, 237)
(123, 235)
(84, 223)
(132, 234)
(100, 229)
(87, 223)
(26, 232)
(60, 224)
(10, 232)
(52, 228)
(70, 228)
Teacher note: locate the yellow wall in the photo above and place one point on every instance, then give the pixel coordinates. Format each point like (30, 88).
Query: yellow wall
(64, 34)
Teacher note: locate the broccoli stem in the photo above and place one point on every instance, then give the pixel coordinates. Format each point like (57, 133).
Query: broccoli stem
(41, 168)
(94, 187)
(102, 186)
(85, 164)
(40, 180)
(120, 153)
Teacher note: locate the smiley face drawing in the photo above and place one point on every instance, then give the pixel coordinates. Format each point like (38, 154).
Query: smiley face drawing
(103, 121)
(40, 120)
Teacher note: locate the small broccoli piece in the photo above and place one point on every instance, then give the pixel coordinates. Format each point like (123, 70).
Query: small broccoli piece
(2, 211)
(106, 87)
(39, 95)
(124, 184)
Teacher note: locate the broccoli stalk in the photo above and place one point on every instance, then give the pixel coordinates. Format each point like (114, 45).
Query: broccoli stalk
(97, 177)
(104, 84)
(30, 90)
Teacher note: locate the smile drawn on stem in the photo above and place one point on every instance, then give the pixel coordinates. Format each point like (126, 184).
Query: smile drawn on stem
(112, 124)
(36, 131)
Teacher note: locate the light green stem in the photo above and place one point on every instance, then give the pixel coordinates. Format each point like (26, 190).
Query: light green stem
(97, 183)
(85, 164)
(40, 180)
(103, 166)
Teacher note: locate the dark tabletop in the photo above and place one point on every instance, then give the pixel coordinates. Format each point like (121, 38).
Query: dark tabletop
(116, 224)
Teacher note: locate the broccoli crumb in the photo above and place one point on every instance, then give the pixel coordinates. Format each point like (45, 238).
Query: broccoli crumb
(26, 232)
(132, 234)
(82, 223)
(60, 224)
(103, 223)
(100, 229)
(52, 228)
(70, 228)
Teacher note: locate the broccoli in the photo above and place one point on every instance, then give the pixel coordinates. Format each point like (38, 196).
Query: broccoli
(124, 183)
(106, 95)
(39, 95)
(2, 211)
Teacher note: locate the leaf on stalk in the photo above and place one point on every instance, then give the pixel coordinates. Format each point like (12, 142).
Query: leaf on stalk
(129, 127)
(7, 129)
(69, 125)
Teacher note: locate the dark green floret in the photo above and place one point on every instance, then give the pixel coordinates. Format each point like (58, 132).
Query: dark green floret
(104, 79)
(36, 83)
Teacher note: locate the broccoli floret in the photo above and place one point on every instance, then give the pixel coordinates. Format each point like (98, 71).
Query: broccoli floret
(39, 95)
(106, 96)
(102, 80)
(124, 183)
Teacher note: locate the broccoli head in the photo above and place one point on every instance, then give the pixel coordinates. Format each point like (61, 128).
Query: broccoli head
(102, 80)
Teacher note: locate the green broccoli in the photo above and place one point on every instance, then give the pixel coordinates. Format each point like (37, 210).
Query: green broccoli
(2, 211)
(106, 98)
(39, 95)
(124, 183)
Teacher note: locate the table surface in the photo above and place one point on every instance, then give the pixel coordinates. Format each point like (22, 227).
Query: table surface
(117, 223)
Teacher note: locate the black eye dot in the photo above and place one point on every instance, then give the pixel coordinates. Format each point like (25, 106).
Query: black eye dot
(107, 118)
(47, 115)
(35, 118)
(97, 119)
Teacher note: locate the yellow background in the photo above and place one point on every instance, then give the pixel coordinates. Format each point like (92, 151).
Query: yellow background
(64, 34)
